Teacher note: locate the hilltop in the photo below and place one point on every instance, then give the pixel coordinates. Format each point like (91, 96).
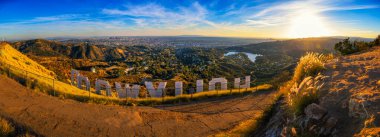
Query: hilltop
(293, 47)
(36, 76)
(341, 100)
(10, 56)
(41, 47)
(352, 92)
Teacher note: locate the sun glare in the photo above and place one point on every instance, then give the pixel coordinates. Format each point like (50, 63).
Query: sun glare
(308, 24)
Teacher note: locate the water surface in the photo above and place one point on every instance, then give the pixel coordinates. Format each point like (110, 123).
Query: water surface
(251, 56)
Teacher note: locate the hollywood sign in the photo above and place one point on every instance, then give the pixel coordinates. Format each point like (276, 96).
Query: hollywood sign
(132, 91)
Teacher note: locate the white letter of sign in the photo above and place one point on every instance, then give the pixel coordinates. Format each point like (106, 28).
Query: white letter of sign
(153, 92)
(74, 74)
(178, 88)
(199, 85)
(101, 83)
(128, 91)
(222, 81)
(246, 83)
(80, 79)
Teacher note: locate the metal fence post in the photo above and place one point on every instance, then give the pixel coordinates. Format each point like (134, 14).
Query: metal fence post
(163, 95)
(53, 88)
(9, 70)
(191, 90)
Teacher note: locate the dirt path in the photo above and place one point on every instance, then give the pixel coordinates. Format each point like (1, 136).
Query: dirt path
(51, 116)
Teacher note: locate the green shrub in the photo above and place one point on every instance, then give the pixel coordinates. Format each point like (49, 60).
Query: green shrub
(376, 42)
(346, 47)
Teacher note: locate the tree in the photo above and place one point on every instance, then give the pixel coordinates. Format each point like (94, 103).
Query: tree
(345, 47)
(377, 41)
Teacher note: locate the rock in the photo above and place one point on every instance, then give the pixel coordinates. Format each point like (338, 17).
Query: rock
(329, 126)
(357, 104)
(315, 111)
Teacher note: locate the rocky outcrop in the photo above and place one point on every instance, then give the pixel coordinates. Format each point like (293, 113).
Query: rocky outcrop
(317, 121)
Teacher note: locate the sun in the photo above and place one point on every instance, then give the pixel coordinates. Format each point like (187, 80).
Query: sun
(308, 24)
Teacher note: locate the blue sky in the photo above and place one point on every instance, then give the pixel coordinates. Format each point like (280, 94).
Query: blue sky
(25, 19)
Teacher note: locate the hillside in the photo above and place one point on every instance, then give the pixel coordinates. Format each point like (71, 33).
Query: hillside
(352, 93)
(36, 76)
(41, 47)
(342, 100)
(294, 47)
(10, 56)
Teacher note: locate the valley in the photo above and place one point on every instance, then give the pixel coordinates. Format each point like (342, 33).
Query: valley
(137, 63)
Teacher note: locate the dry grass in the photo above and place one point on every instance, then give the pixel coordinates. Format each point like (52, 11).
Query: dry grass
(305, 93)
(9, 129)
(198, 96)
(11, 56)
(310, 65)
(6, 128)
(302, 90)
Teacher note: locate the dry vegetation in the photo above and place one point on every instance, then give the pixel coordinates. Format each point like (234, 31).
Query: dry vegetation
(303, 89)
(10, 129)
(6, 129)
(310, 65)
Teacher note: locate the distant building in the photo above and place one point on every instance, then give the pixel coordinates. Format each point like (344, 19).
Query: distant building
(93, 70)
(128, 69)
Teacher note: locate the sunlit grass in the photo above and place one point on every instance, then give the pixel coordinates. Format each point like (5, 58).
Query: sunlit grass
(198, 96)
(310, 65)
(303, 89)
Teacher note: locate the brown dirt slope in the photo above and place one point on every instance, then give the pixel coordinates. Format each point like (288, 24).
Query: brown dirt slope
(353, 91)
(51, 116)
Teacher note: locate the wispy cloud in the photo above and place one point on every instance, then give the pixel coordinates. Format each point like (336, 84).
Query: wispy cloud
(154, 15)
(61, 25)
(279, 13)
